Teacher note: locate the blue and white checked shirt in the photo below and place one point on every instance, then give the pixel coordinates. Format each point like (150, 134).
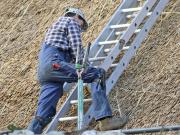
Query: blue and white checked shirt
(66, 35)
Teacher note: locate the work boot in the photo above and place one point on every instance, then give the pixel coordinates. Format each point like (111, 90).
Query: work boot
(111, 123)
(38, 124)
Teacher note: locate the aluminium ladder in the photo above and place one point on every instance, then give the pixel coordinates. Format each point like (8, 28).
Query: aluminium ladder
(125, 32)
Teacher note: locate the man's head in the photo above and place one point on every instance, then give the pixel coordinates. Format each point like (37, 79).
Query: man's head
(78, 14)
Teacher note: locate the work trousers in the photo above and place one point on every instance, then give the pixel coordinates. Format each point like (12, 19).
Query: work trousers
(54, 70)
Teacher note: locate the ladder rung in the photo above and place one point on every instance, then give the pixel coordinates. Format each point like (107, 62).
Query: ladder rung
(108, 50)
(134, 15)
(126, 47)
(76, 101)
(97, 58)
(131, 16)
(120, 26)
(108, 42)
(68, 118)
(131, 9)
(121, 32)
(113, 65)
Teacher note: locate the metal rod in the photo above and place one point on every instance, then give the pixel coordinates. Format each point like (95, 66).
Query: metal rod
(86, 54)
(121, 32)
(97, 59)
(151, 130)
(80, 103)
(108, 42)
(68, 118)
(76, 101)
(80, 87)
(112, 65)
(134, 15)
(120, 26)
(77, 55)
(131, 9)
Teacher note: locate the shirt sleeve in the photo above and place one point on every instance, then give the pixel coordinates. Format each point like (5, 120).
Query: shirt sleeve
(74, 36)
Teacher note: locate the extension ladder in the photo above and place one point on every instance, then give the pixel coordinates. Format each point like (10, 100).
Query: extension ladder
(124, 33)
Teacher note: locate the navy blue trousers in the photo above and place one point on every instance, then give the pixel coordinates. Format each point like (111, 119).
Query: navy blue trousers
(54, 70)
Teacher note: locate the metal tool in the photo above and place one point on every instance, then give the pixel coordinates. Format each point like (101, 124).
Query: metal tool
(80, 69)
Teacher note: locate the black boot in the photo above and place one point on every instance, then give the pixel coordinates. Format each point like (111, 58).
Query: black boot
(38, 124)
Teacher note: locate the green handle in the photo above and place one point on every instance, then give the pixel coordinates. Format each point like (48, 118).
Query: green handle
(78, 66)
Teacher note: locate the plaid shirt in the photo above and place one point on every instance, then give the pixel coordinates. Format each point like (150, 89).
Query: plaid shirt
(66, 35)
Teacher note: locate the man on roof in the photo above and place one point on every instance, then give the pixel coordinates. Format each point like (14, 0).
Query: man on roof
(57, 66)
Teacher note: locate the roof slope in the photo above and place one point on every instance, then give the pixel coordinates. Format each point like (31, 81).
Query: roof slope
(150, 84)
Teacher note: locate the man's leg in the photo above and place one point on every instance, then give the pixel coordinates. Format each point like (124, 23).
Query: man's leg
(91, 75)
(49, 96)
(100, 102)
(101, 108)
(96, 76)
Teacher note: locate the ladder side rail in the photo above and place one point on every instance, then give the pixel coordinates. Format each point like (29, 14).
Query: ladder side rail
(135, 45)
(62, 111)
(131, 29)
(65, 107)
(115, 19)
(112, 35)
(67, 86)
(118, 71)
(141, 16)
(138, 20)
